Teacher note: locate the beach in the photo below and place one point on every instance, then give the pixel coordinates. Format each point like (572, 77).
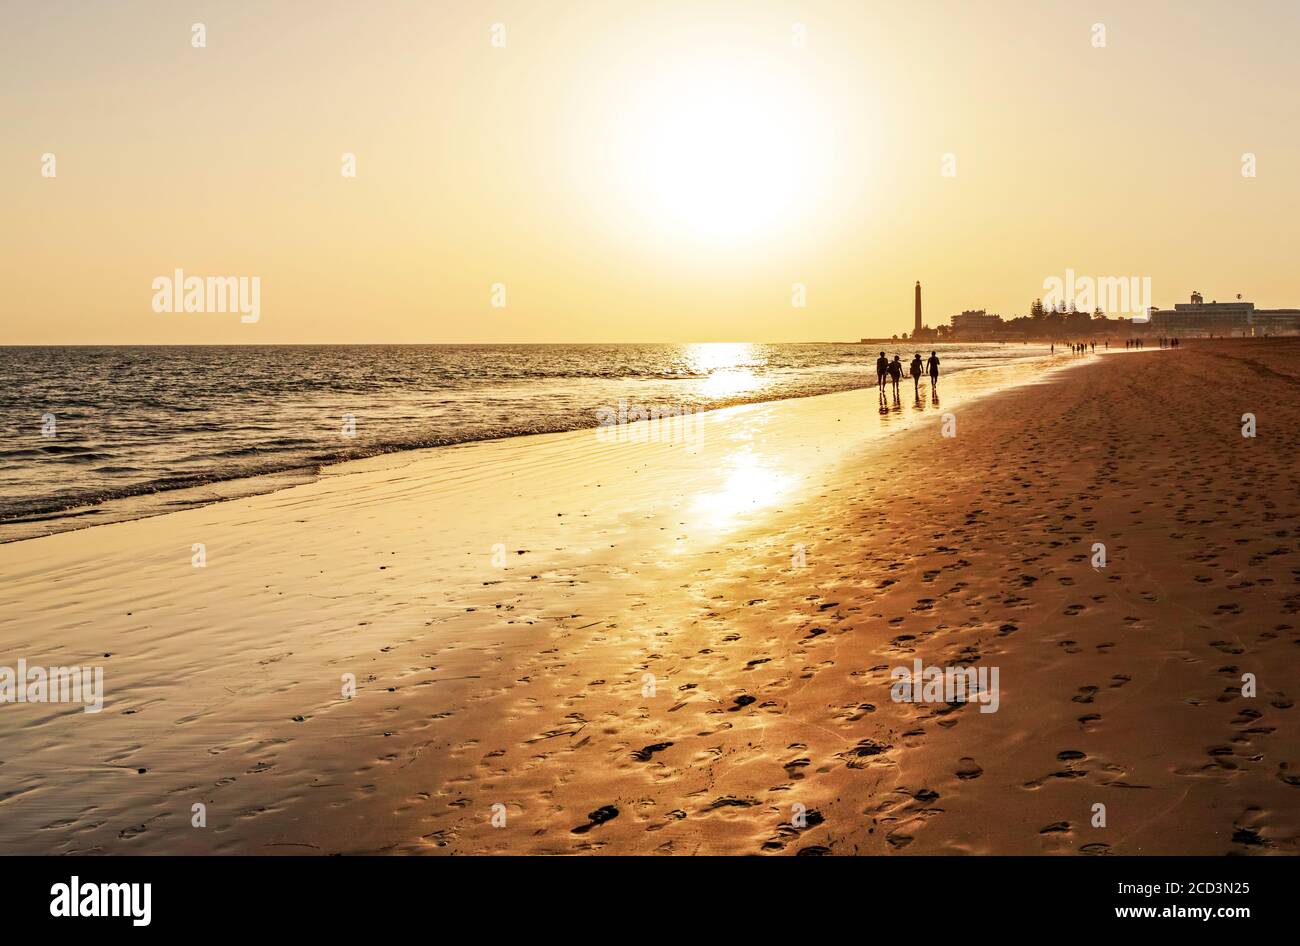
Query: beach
(599, 641)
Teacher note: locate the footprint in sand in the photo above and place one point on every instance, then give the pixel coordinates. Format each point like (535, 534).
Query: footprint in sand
(597, 818)
(1221, 756)
(794, 765)
(740, 703)
(858, 757)
(854, 713)
(644, 754)
(968, 769)
(1290, 778)
(788, 832)
(1085, 694)
(1249, 837)
(732, 801)
(676, 814)
(908, 812)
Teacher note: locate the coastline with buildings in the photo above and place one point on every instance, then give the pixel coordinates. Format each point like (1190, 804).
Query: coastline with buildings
(1193, 319)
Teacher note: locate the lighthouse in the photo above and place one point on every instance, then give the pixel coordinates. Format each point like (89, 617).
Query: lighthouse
(917, 330)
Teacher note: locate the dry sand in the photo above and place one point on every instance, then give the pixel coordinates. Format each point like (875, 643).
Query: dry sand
(652, 648)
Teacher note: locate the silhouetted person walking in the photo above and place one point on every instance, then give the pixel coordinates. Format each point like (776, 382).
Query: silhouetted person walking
(916, 372)
(882, 369)
(896, 373)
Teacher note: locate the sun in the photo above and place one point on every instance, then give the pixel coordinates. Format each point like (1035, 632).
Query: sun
(723, 149)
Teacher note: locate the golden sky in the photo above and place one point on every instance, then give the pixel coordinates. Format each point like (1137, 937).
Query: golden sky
(634, 170)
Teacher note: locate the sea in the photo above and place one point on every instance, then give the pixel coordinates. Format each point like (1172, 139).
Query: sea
(89, 430)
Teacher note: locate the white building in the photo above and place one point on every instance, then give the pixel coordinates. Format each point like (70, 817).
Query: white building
(1224, 318)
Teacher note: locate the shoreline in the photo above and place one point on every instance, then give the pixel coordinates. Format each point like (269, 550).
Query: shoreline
(142, 501)
(524, 684)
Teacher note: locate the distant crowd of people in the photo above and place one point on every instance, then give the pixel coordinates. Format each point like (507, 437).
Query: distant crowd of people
(1081, 348)
(1165, 342)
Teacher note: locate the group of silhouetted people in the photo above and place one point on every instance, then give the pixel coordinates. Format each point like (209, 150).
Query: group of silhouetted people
(893, 370)
(1081, 348)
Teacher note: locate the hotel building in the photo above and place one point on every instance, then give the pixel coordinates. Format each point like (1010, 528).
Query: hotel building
(1199, 317)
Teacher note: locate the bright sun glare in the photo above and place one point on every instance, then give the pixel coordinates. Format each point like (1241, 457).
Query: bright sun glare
(728, 366)
(724, 150)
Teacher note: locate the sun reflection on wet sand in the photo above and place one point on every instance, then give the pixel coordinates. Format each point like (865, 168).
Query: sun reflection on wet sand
(749, 483)
(755, 460)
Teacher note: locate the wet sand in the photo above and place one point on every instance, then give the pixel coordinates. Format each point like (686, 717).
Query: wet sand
(679, 647)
